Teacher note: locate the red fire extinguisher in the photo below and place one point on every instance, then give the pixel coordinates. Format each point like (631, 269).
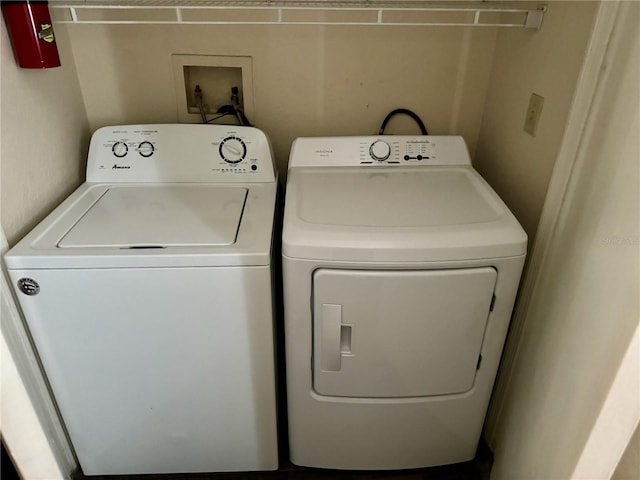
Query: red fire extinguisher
(31, 33)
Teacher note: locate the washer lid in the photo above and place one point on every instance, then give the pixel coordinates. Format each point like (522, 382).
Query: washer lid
(160, 216)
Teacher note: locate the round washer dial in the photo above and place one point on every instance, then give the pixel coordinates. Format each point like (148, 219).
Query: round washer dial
(146, 149)
(232, 149)
(120, 149)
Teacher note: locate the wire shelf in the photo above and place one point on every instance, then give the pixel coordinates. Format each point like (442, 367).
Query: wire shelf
(300, 12)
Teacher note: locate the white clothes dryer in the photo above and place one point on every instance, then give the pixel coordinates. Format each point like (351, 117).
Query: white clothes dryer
(148, 294)
(401, 267)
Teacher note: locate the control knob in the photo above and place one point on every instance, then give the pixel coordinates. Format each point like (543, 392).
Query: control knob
(380, 150)
(120, 149)
(233, 150)
(146, 149)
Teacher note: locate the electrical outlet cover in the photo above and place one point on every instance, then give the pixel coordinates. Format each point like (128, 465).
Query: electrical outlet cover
(534, 110)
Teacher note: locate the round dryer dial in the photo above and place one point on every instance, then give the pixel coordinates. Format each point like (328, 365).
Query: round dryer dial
(233, 150)
(380, 150)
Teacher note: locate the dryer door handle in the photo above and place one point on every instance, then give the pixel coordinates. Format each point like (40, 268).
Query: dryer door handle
(330, 344)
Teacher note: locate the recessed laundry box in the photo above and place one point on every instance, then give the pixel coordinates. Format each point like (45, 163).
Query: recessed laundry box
(400, 273)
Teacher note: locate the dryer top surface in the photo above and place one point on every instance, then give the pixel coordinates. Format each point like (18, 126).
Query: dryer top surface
(388, 214)
(395, 198)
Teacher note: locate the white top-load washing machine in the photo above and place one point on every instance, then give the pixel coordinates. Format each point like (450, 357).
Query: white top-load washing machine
(148, 293)
(400, 268)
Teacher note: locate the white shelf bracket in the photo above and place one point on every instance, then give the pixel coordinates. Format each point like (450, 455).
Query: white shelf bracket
(534, 18)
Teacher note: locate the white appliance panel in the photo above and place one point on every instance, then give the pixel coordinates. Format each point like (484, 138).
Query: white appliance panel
(160, 216)
(385, 433)
(403, 151)
(159, 370)
(192, 153)
(407, 333)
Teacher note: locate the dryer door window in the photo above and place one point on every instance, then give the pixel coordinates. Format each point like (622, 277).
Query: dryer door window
(380, 333)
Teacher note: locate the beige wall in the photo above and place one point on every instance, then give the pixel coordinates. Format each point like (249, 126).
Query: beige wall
(44, 138)
(547, 62)
(44, 133)
(308, 80)
(584, 308)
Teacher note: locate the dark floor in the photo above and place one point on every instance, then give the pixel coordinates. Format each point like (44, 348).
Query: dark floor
(7, 469)
(477, 469)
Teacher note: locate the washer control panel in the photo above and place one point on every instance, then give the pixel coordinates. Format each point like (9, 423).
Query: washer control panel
(120, 148)
(388, 150)
(180, 153)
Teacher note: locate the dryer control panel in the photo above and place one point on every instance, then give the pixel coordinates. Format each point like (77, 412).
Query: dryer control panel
(382, 150)
(179, 153)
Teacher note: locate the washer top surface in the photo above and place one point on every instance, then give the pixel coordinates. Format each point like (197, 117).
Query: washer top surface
(158, 217)
(424, 202)
(162, 196)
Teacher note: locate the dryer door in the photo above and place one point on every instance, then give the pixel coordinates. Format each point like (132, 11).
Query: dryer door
(409, 333)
